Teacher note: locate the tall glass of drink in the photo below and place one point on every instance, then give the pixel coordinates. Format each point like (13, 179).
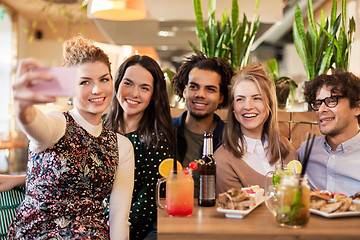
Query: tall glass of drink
(179, 199)
(292, 201)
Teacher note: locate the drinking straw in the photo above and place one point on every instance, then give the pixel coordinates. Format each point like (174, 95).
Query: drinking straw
(278, 143)
(175, 151)
(307, 153)
(308, 148)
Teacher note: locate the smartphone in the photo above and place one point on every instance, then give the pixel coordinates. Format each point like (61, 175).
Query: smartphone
(62, 83)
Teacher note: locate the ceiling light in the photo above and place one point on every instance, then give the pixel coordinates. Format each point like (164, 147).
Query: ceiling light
(118, 10)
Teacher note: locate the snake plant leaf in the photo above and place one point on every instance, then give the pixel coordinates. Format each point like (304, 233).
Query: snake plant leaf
(335, 26)
(312, 37)
(250, 39)
(300, 40)
(311, 21)
(343, 12)
(326, 60)
(199, 20)
(218, 49)
(351, 29)
(211, 8)
(333, 12)
(235, 14)
(322, 19)
(335, 43)
(194, 48)
(213, 36)
(224, 19)
(342, 40)
(234, 51)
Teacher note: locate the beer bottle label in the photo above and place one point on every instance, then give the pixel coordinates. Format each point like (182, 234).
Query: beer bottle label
(207, 187)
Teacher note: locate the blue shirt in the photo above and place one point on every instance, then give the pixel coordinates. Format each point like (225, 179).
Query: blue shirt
(336, 171)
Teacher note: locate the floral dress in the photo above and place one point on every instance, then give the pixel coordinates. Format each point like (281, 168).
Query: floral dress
(66, 185)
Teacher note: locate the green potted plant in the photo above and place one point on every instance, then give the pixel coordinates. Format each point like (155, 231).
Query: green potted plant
(229, 38)
(284, 85)
(323, 45)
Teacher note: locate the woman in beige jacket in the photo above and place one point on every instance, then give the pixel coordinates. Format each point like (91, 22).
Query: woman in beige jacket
(250, 146)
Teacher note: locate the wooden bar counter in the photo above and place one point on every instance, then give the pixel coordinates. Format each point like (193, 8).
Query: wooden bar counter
(207, 223)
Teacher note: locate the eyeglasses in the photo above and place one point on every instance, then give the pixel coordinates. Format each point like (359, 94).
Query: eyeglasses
(330, 102)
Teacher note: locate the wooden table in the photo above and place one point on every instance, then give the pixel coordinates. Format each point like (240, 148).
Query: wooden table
(207, 223)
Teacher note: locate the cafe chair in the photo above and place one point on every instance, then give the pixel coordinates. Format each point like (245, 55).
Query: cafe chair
(9, 202)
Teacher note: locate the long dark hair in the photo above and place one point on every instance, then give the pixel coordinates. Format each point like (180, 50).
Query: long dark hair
(156, 118)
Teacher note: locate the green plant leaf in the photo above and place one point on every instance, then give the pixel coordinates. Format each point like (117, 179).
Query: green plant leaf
(343, 13)
(300, 40)
(335, 26)
(326, 60)
(310, 11)
(194, 48)
(322, 21)
(235, 14)
(199, 21)
(273, 69)
(333, 12)
(211, 8)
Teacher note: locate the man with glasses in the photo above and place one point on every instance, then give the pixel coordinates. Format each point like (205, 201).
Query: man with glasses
(334, 162)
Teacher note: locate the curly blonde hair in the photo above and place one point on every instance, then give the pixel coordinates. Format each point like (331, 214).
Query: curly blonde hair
(79, 50)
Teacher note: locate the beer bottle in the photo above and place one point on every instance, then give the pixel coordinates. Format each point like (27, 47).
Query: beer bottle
(207, 172)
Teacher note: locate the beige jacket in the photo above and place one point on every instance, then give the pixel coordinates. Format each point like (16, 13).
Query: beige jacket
(232, 172)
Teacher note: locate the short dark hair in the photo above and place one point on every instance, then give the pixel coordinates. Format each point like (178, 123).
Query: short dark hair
(219, 65)
(342, 82)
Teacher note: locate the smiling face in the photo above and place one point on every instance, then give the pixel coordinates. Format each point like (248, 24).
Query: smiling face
(93, 92)
(250, 109)
(135, 91)
(338, 121)
(202, 93)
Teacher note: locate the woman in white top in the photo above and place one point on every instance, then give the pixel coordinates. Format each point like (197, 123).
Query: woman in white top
(250, 148)
(74, 162)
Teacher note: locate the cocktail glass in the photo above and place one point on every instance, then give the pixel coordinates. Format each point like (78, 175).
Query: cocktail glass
(179, 200)
(292, 201)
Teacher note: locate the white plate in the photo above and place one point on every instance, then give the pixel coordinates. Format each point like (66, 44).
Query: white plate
(231, 213)
(338, 214)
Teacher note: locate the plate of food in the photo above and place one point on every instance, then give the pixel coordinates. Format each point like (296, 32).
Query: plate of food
(237, 203)
(330, 205)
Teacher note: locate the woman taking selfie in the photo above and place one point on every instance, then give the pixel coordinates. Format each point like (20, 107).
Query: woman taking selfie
(74, 162)
(250, 147)
(140, 111)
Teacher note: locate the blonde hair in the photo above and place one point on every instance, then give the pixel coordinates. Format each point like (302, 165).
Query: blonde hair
(232, 130)
(78, 50)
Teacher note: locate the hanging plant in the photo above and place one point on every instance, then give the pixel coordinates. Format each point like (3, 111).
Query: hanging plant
(63, 9)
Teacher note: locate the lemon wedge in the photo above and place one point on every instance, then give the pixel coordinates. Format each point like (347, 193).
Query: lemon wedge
(167, 165)
(294, 166)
